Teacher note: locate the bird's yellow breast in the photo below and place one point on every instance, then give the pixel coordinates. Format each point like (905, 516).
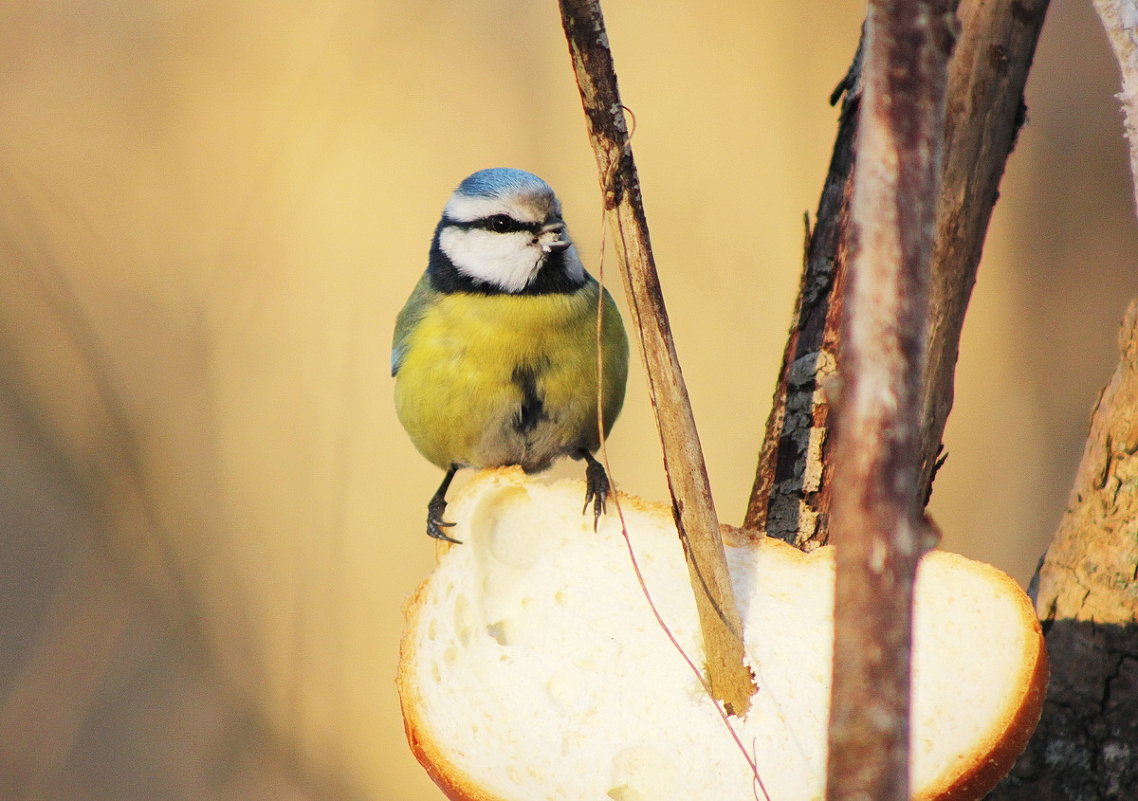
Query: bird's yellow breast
(473, 364)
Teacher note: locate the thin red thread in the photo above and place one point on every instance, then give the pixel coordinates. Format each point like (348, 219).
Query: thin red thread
(757, 783)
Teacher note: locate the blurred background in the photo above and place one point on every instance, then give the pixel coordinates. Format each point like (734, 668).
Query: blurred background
(210, 214)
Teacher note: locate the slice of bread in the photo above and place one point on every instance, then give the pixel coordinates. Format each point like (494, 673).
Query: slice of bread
(532, 667)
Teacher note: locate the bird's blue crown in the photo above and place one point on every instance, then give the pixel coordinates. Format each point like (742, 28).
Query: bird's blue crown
(501, 182)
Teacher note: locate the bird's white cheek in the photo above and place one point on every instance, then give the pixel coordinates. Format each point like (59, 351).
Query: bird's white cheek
(507, 261)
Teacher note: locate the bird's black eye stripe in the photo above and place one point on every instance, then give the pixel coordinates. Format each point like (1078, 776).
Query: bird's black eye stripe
(498, 223)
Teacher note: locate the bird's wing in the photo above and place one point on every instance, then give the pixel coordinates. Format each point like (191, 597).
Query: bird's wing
(422, 298)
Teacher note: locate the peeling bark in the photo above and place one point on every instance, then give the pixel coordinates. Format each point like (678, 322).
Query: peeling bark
(791, 498)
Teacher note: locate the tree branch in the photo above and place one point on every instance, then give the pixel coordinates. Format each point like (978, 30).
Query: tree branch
(692, 505)
(877, 495)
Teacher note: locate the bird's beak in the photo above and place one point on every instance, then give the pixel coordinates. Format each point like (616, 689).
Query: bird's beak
(552, 239)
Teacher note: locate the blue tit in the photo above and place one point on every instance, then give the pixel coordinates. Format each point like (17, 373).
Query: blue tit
(495, 352)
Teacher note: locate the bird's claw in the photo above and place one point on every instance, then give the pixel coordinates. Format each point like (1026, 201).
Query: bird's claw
(434, 529)
(435, 522)
(597, 489)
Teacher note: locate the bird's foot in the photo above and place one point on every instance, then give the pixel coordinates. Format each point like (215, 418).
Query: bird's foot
(597, 487)
(435, 508)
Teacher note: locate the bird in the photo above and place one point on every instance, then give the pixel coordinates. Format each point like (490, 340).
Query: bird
(494, 355)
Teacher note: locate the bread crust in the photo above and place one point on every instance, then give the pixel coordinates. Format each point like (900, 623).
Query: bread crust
(455, 783)
(1004, 749)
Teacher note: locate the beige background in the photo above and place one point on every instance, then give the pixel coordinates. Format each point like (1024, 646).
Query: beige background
(210, 213)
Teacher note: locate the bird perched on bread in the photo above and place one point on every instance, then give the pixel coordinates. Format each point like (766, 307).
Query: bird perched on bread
(495, 353)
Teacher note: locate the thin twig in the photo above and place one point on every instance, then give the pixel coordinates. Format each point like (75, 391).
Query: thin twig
(692, 505)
